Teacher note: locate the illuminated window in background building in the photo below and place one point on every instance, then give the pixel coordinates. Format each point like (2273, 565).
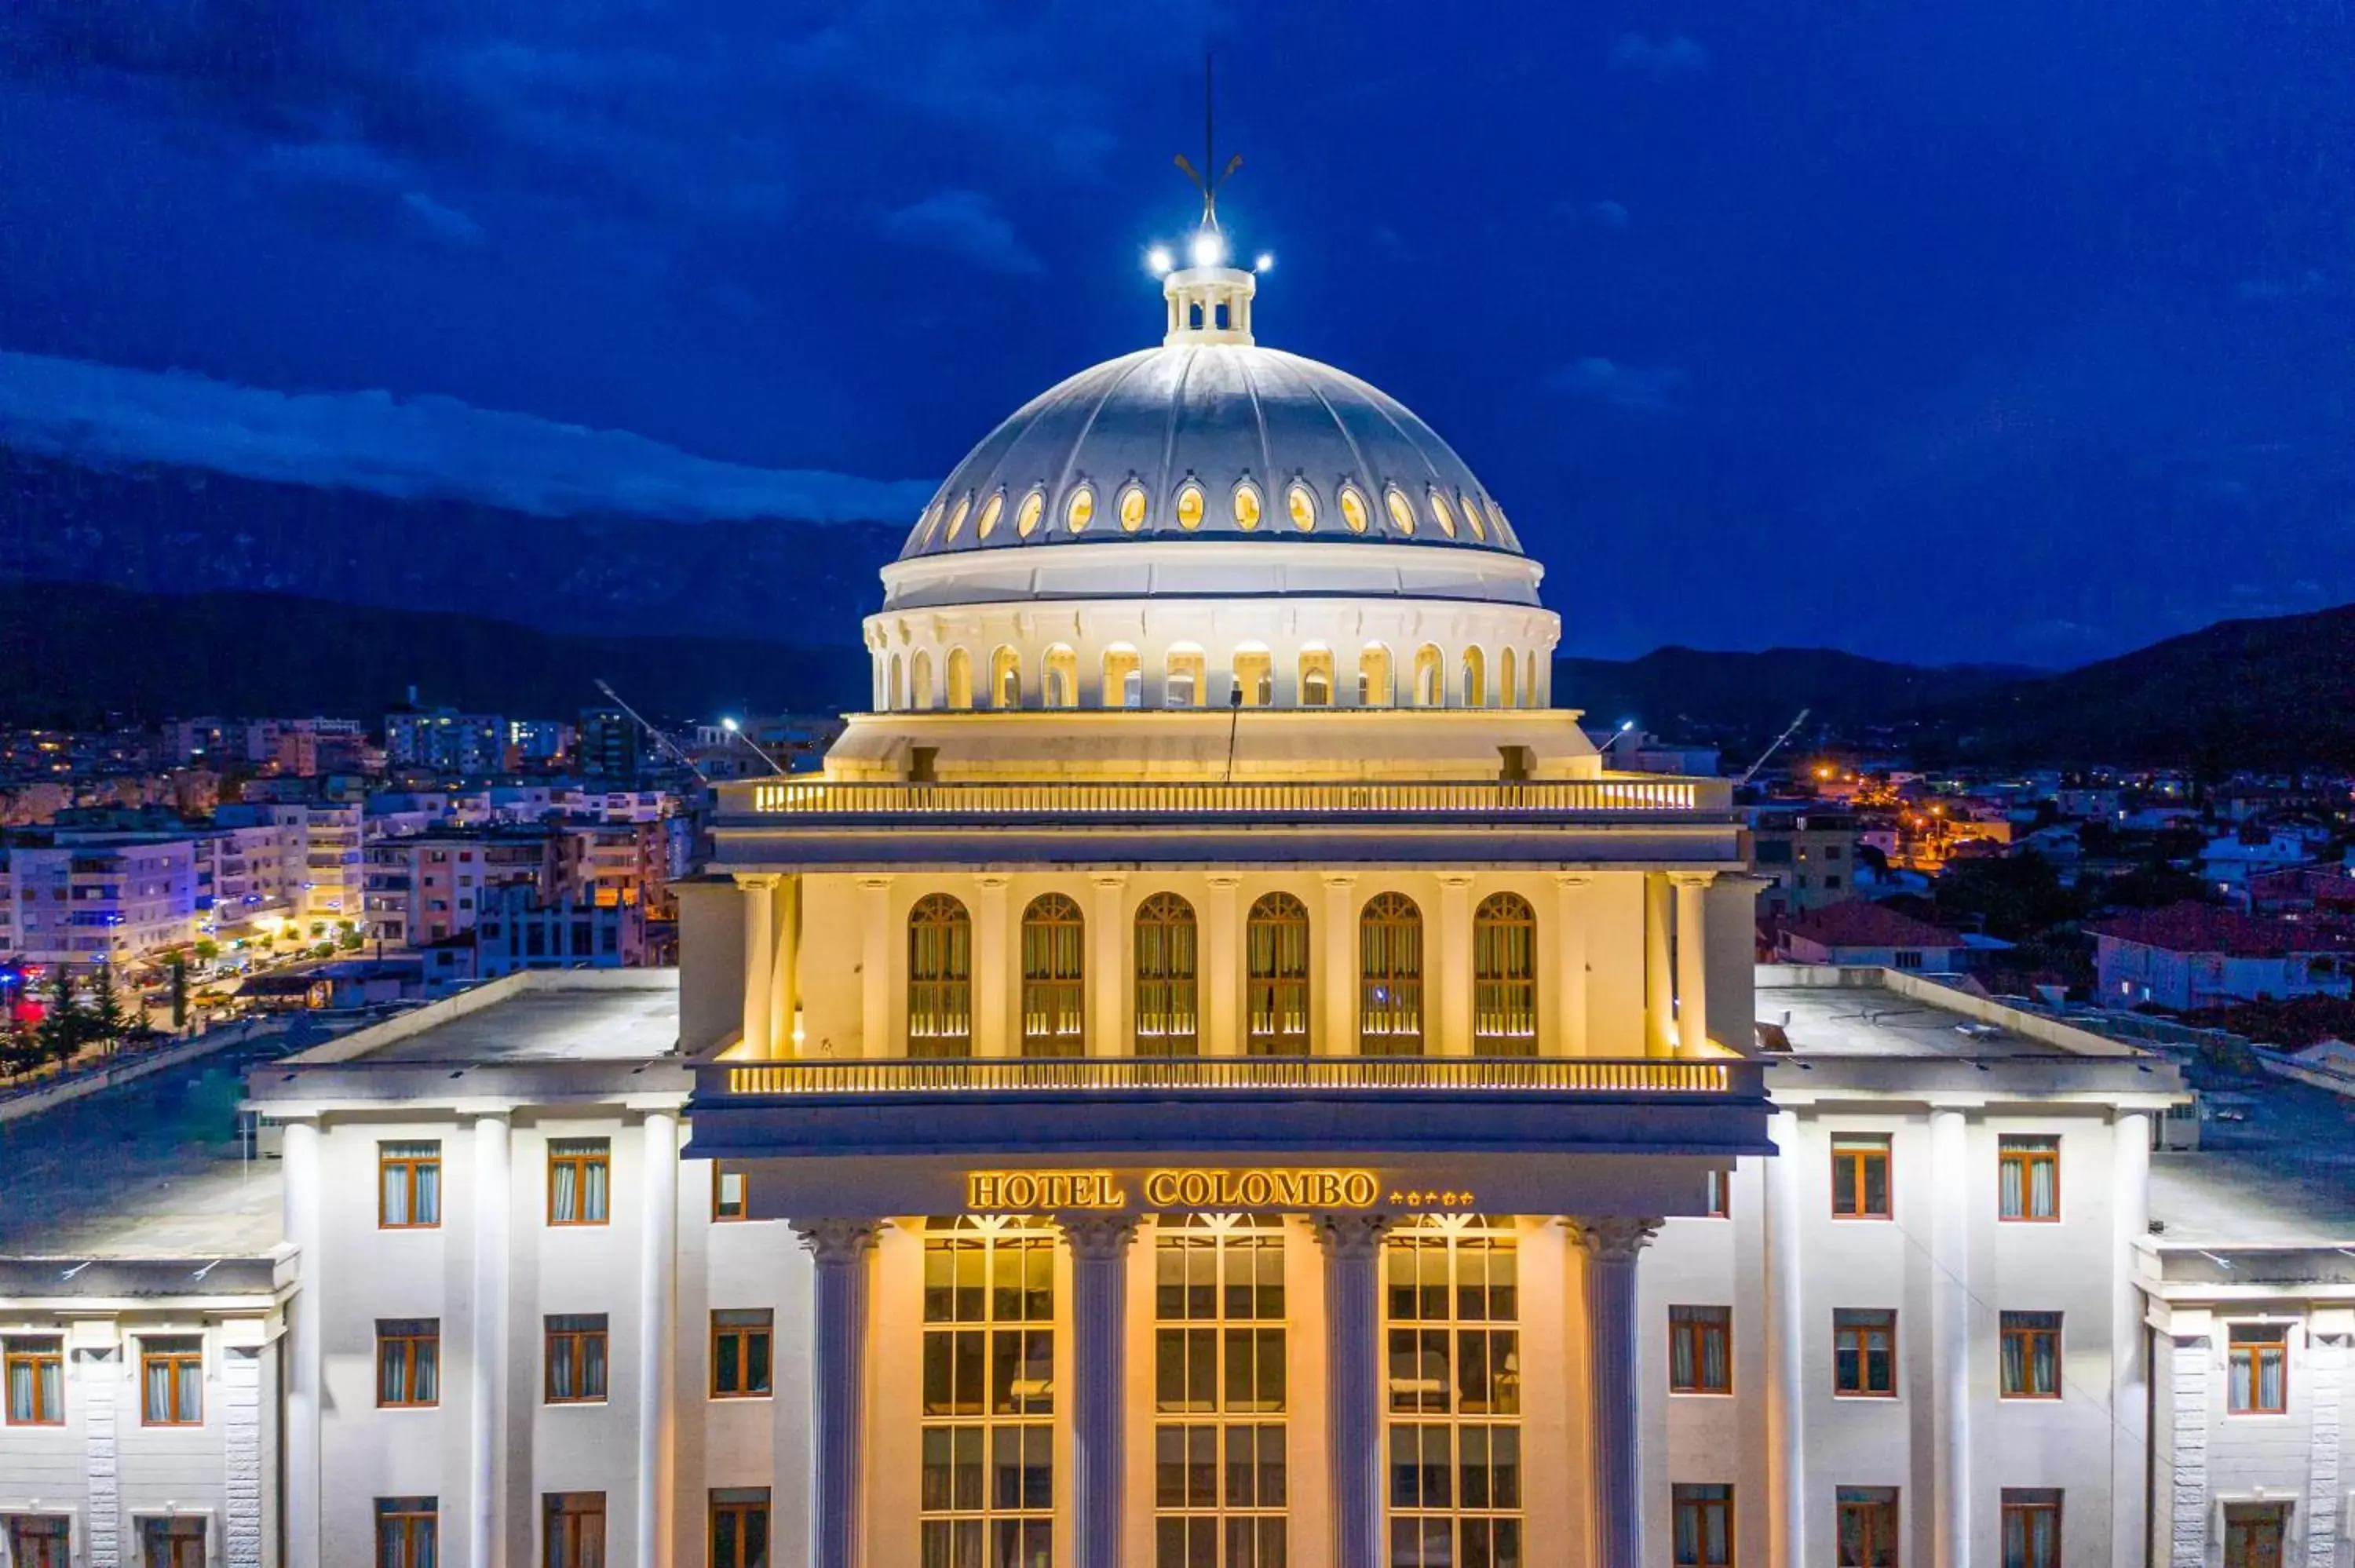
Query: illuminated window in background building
(1442, 514)
(1472, 518)
(991, 510)
(1275, 943)
(1221, 1482)
(1452, 1301)
(919, 682)
(1168, 1018)
(1256, 675)
(1389, 976)
(1061, 668)
(987, 1487)
(956, 517)
(1054, 978)
(1123, 678)
(1504, 976)
(1497, 522)
(940, 977)
(1507, 670)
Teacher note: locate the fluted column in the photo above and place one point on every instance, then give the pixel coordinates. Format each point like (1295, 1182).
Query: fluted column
(1659, 999)
(2130, 1137)
(657, 1289)
(1692, 961)
(1340, 966)
(991, 1030)
(1353, 1404)
(1786, 1348)
(1220, 967)
(875, 968)
(784, 966)
(1610, 1244)
(1950, 1332)
(1107, 975)
(1569, 977)
(486, 1373)
(1099, 1246)
(837, 1387)
(1454, 962)
(760, 956)
(299, 1165)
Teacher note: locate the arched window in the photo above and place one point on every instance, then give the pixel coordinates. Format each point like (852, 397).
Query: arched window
(1374, 678)
(1315, 677)
(1529, 679)
(960, 680)
(1389, 976)
(1124, 681)
(940, 977)
(1181, 680)
(1054, 978)
(1504, 976)
(1430, 677)
(1256, 675)
(919, 682)
(1061, 667)
(1475, 678)
(895, 697)
(1509, 669)
(1275, 943)
(1006, 678)
(1168, 1017)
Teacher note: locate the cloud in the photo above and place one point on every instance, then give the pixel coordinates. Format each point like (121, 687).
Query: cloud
(1650, 389)
(1674, 56)
(444, 223)
(425, 447)
(963, 223)
(1596, 214)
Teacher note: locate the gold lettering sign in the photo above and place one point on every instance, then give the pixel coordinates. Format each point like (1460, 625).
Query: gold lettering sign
(1036, 1191)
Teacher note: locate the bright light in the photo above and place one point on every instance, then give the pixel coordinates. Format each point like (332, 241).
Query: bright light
(1626, 724)
(1266, 262)
(1208, 250)
(1157, 261)
(729, 724)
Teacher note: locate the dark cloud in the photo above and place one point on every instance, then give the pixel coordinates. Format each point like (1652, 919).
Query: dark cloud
(965, 224)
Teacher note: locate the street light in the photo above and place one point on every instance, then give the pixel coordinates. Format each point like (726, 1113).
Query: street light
(732, 727)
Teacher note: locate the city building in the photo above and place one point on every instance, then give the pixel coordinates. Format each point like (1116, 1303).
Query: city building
(1806, 855)
(431, 886)
(81, 898)
(516, 929)
(1859, 935)
(2189, 956)
(444, 740)
(609, 747)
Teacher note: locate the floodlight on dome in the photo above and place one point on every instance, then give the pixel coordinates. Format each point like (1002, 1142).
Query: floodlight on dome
(1158, 260)
(1208, 250)
(1266, 262)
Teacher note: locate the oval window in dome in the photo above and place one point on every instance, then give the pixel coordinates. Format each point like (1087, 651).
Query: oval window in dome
(1131, 507)
(1081, 509)
(1353, 509)
(932, 525)
(1472, 518)
(1301, 501)
(991, 510)
(1190, 506)
(1442, 514)
(956, 518)
(1497, 522)
(1402, 511)
(1247, 505)
(1034, 506)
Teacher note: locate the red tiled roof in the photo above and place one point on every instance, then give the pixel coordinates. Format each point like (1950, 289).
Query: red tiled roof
(1859, 924)
(2194, 927)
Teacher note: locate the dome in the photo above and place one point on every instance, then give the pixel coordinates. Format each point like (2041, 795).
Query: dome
(1211, 436)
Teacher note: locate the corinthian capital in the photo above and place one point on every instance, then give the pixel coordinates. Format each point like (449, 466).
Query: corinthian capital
(1352, 1237)
(1611, 1238)
(1098, 1238)
(837, 1241)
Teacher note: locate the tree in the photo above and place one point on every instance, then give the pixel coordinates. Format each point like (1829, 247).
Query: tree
(208, 950)
(179, 991)
(108, 1022)
(63, 1027)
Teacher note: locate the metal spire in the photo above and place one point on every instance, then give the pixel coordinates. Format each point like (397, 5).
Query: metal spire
(1204, 183)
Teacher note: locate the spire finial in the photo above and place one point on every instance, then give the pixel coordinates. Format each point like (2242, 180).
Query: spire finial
(1206, 184)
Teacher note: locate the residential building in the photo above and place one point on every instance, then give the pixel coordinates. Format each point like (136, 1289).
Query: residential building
(516, 929)
(1806, 855)
(2189, 956)
(430, 887)
(444, 741)
(83, 897)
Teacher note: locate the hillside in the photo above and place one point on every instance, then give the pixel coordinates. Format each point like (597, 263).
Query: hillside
(1746, 699)
(72, 652)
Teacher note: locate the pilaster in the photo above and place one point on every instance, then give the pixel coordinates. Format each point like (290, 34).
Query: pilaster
(1109, 1033)
(1659, 997)
(1692, 961)
(1570, 905)
(1611, 1244)
(1353, 1405)
(1222, 967)
(1099, 1245)
(838, 1330)
(992, 968)
(1452, 960)
(875, 969)
(1340, 968)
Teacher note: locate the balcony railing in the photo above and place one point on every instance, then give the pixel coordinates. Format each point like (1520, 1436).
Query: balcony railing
(1638, 797)
(898, 1076)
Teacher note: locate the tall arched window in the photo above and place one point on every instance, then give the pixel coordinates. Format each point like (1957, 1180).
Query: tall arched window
(1061, 667)
(1168, 1015)
(960, 680)
(919, 682)
(1374, 678)
(1430, 677)
(1123, 680)
(1181, 681)
(1504, 976)
(1275, 944)
(1315, 677)
(896, 698)
(1509, 667)
(1529, 679)
(1006, 678)
(940, 977)
(1389, 976)
(1475, 678)
(1054, 978)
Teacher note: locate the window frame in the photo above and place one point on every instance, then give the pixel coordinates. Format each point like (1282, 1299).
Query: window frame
(1882, 1508)
(744, 1326)
(1053, 998)
(1166, 973)
(2243, 1347)
(1701, 1500)
(1862, 1323)
(412, 1166)
(412, 1341)
(2025, 1152)
(2029, 1335)
(2026, 1504)
(564, 1540)
(1505, 1018)
(721, 1176)
(1390, 930)
(1276, 940)
(741, 1505)
(1856, 1151)
(175, 1362)
(1719, 1200)
(417, 1522)
(575, 1338)
(35, 1353)
(1702, 1324)
(938, 990)
(582, 1160)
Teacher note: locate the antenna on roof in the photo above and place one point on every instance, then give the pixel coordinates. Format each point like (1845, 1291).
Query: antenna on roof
(1209, 184)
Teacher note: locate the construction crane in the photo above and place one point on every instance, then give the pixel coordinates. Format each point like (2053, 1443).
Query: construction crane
(662, 735)
(1751, 771)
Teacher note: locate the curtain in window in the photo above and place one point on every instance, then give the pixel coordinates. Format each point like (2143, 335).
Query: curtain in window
(1166, 1015)
(1504, 977)
(2032, 1363)
(1276, 955)
(427, 1378)
(35, 1392)
(2031, 1537)
(1389, 961)
(940, 977)
(1054, 984)
(2270, 1366)
(1682, 1366)
(564, 1196)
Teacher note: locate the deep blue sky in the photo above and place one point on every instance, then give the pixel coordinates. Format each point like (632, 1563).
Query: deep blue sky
(2016, 330)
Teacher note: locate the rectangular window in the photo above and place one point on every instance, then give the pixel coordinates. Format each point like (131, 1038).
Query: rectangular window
(2032, 1528)
(2252, 1534)
(35, 1370)
(578, 1169)
(40, 1540)
(987, 1481)
(2028, 1181)
(1453, 1300)
(576, 1359)
(172, 1380)
(575, 1534)
(740, 1354)
(1868, 1527)
(2259, 1375)
(407, 1532)
(1703, 1525)
(409, 1186)
(1864, 1353)
(740, 1527)
(2032, 1355)
(1221, 1483)
(1860, 1176)
(408, 1362)
(172, 1543)
(727, 1194)
(1720, 1195)
(1701, 1349)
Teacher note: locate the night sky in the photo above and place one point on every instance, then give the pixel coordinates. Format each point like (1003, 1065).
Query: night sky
(2018, 331)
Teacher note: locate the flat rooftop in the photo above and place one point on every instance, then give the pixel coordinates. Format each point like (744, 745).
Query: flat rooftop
(2283, 1176)
(1825, 1011)
(550, 1015)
